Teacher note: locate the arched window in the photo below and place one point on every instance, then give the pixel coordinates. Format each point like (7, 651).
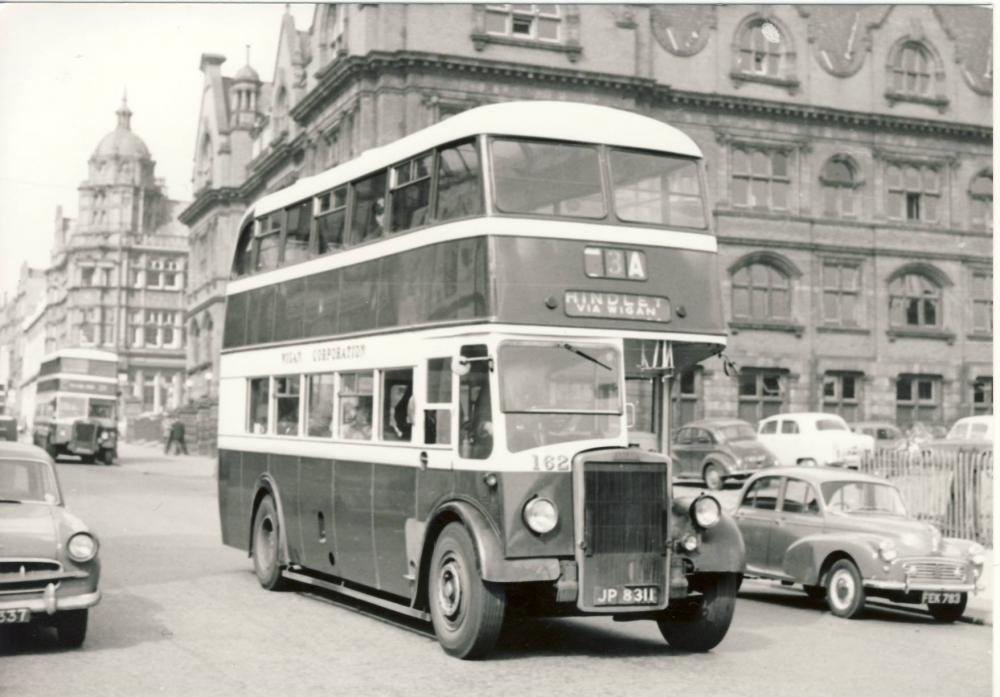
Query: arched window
(760, 49)
(911, 70)
(840, 187)
(914, 301)
(981, 201)
(761, 291)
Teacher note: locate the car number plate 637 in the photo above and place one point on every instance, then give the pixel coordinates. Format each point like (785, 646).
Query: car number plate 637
(17, 616)
(939, 598)
(627, 595)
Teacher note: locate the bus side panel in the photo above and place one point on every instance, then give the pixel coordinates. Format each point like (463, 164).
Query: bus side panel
(254, 465)
(433, 486)
(392, 504)
(352, 511)
(231, 499)
(285, 470)
(471, 484)
(316, 513)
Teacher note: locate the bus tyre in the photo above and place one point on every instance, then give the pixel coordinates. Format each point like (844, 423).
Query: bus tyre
(713, 476)
(467, 612)
(700, 623)
(108, 457)
(948, 613)
(267, 546)
(845, 592)
(71, 628)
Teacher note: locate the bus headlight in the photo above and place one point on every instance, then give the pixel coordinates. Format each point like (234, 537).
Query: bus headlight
(541, 515)
(82, 547)
(706, 511)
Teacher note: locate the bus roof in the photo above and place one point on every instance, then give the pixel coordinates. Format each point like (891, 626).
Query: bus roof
(88, 354)
(569, 121)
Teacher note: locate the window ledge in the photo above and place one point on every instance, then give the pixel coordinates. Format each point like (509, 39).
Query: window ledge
(789, 83)
(737, 325)
(918, 333)
(834, 329)
(572, 50)
(940, 103)
(979, 336)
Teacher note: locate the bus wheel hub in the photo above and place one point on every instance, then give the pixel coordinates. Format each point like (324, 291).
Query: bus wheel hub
(450, 589)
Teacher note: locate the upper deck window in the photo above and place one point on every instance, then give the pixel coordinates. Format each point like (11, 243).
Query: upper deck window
(658, 189)
(411, 192)
(331, 219)
(296, 246)
(269, 237)
(368, 216)
(458, 192)
(540, 178)
(244, 251)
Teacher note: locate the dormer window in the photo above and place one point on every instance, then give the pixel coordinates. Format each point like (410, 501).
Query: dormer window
(911, 71)
(540, 22)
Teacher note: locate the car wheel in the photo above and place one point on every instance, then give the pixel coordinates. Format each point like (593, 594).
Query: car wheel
(267, 546)
(948, 613)
(71, 628)
(699, 623)
(815, 592)
(713, 476)
(845, 593)
(467, 612)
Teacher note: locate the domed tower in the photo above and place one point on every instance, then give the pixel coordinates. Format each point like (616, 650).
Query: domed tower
(245, 93)
(121, 192)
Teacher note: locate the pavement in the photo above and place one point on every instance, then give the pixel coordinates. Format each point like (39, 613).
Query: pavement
(148, 458)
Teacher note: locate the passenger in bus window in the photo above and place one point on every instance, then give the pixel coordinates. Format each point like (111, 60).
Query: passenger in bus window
(358, 422)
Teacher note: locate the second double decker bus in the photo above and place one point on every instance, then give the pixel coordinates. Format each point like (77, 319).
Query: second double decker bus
(423, 378)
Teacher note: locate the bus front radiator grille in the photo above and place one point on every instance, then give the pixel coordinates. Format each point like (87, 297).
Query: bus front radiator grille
(624, 508)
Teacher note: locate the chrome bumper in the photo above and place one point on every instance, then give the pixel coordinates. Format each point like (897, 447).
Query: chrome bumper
(50, 604)
(906, 587)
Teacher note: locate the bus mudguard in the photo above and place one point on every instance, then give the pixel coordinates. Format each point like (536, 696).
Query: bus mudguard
(266, 484)
(489, 547)
(722, 548)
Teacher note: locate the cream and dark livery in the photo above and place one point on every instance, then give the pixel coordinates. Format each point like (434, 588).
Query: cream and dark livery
(422, 384)
(846, 536)
(49, 570)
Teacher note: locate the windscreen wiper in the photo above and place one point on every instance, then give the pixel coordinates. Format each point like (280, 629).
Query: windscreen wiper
(574, 349)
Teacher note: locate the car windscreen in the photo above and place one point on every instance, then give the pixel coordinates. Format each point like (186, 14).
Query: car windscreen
(862, 497)
(830, 425)
(738, 432)
(27, 481)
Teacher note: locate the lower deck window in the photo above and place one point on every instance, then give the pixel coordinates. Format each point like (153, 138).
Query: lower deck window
(397, 405)
(259, 390)
(356, 405)
(286, 405)
(319, 390)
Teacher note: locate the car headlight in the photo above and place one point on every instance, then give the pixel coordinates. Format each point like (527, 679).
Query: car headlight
(541, 515)
(706, 511)
(887, 550)
(82, 547)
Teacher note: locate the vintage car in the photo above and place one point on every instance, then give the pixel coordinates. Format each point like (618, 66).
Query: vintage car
(813, 439)
(846, 536)
(717, 450)
(887, 435)
(969, 432)
(49, 570)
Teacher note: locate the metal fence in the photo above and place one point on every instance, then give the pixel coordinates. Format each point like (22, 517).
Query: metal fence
(951, 489)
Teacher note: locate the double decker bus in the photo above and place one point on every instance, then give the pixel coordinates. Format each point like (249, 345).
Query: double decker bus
(76, 405)
(422, 390)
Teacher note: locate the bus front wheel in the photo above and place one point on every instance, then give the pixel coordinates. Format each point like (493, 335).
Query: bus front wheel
(699, 623)
(467, 612)
(267, 546)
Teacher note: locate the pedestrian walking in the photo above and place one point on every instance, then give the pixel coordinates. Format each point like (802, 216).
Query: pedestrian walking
(176, 436)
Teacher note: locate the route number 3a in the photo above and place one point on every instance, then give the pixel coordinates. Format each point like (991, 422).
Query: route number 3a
(551, 463)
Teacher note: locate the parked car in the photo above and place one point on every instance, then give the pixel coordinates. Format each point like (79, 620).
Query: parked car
(887, 436)
(8, 428)
(717, 450)
(49, 570)
(814, 439)
(846, 536)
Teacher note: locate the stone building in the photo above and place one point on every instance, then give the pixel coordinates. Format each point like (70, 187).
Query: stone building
(15, 358)
(117, 274)
(848, 149)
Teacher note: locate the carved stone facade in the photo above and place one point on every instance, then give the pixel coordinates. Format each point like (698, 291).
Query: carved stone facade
(845, 142)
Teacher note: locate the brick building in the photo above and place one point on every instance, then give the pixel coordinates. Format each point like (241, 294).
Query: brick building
(849, 155)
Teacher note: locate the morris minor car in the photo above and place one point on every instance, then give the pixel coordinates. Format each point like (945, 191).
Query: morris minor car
(718, 450)
(812, 439)
(49, 570)
(846, 537)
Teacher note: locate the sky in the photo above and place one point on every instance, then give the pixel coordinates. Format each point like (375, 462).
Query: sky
(63, 68)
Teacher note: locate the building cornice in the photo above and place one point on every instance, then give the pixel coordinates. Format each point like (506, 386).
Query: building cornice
(209, 198)
(333, 77)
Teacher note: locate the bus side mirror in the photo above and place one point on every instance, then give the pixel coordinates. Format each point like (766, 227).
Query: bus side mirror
(461, 367)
